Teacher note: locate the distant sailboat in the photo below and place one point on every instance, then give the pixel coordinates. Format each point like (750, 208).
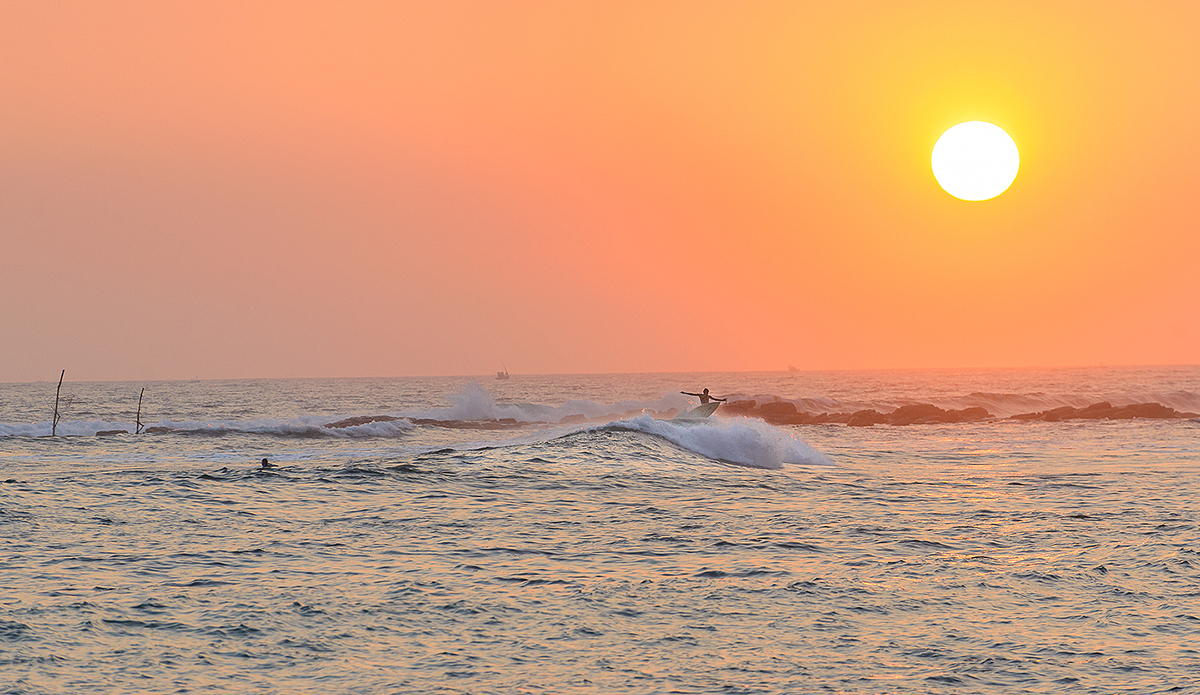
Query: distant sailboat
(502, 375)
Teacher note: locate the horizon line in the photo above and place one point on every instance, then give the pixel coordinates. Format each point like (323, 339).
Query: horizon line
(786, 370)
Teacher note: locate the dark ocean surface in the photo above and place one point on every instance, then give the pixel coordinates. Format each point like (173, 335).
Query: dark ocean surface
(558, 534)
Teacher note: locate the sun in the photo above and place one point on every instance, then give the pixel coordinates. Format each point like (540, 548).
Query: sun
(975, 160)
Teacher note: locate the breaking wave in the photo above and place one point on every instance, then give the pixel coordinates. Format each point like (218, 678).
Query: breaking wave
(741, 441)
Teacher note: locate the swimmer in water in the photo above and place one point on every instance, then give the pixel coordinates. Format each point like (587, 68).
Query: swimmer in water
(704, 397)
(267, 464)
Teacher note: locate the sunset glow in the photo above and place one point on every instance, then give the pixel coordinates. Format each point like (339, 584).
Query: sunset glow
(285, 189)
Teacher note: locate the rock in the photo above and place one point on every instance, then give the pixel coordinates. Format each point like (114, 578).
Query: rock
(106, 433)
(1146, 410)
(1026, 416)
(1105, 411)
(156, 430)
(914, 414)
(1064, 413)
(738, 407)
(779, 411)
(360, 420)
(972, 414)
(866, 418)
(1095, 411)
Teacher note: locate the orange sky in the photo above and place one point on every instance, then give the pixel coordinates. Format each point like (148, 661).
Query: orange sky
(240, 189)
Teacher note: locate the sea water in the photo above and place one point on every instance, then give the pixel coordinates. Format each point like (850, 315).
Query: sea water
(558, 534)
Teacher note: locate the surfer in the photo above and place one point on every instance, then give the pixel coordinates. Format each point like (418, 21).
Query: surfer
(704, 397)
(267, 464)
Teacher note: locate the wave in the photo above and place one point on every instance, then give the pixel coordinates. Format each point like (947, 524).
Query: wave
(299, 427)
(740, 441)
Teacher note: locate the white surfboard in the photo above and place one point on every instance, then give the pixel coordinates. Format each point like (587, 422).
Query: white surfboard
(698, 413)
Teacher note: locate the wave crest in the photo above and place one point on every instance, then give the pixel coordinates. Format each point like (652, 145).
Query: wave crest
(740, 441)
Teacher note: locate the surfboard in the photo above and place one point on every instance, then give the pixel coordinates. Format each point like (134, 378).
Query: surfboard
(698, 413)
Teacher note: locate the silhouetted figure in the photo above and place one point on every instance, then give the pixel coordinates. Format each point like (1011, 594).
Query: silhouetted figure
(704, 397)
(267, 464)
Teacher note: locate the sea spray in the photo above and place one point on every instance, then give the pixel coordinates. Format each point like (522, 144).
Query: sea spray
(474, 402)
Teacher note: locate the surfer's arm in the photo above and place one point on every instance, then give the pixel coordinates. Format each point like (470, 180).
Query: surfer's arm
(686, 393)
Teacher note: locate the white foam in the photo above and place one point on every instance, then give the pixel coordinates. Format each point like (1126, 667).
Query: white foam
(742, 441)
(388, 428)
(87, 428)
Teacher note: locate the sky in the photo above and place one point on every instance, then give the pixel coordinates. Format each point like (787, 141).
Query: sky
(296, 189)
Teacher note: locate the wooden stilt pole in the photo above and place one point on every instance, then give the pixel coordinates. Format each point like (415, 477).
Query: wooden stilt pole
(138, 429)
(54, 425)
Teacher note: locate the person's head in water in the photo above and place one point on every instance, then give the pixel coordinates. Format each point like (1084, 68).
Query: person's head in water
(266, 463)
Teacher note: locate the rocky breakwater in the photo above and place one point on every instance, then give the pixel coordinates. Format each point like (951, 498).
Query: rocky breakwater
(786, 413)
(781, 412)
(1107, 411)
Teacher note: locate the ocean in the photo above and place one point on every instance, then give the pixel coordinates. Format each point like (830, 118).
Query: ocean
(1030, 531)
